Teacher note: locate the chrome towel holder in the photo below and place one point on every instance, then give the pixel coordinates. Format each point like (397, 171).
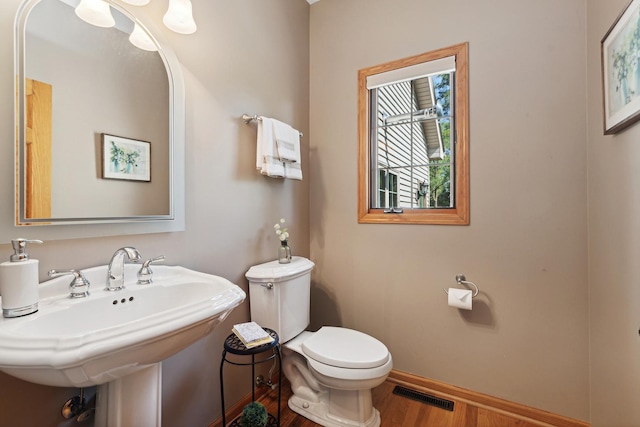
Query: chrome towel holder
(462, 280)
(247, 118)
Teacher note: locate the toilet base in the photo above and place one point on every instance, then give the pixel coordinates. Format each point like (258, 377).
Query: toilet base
(327, 400)
(318, 413)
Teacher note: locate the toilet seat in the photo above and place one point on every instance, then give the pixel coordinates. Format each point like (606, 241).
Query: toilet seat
(345, 348)
(328, 374)
(342, 346)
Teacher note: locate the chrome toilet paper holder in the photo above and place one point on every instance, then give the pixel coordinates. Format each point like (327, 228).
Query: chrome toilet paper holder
(462, 280)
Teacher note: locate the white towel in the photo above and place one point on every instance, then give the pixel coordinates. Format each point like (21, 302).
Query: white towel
(287, 142)
(267, 159)
(293, 171)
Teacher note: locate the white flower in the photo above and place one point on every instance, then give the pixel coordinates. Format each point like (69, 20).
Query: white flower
(281, 231)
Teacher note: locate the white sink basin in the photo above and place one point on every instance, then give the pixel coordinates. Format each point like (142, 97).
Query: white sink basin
(108, 335)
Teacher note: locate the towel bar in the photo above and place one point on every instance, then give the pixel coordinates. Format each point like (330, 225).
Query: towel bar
(248, 119)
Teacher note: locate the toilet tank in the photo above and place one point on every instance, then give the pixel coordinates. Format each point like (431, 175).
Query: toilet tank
(279, 296)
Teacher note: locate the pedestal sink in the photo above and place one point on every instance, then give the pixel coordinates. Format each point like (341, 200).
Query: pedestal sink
(115, 340)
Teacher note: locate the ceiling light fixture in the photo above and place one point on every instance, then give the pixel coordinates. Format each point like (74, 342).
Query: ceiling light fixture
(179, 17)
(95, 12)
(140, 39)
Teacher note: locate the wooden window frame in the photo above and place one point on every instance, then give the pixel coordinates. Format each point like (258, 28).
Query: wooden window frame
(457, 215)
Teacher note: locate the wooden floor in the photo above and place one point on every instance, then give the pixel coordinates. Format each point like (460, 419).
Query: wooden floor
(403, 412)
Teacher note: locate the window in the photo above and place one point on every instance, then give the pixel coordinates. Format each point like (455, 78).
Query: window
(413, 140)
(387, 189)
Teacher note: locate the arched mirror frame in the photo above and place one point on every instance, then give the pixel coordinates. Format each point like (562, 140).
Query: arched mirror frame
(94, 227)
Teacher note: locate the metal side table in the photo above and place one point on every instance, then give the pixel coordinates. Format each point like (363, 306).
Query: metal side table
(233, 345)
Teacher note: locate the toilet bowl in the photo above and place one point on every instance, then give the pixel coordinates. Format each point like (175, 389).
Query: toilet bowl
(332, 370)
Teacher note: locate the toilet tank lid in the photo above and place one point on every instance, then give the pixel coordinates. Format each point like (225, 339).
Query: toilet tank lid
(273, 271)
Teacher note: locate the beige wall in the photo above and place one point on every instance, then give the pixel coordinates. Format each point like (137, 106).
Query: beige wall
(526, 248)
(249, 57)
(614, 246)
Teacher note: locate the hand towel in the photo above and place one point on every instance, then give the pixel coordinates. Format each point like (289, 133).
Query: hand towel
(267, 160)
(287, 142)
(293, 171)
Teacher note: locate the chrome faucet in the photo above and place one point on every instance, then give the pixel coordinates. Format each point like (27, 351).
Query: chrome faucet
(79, 286)
(115, 273)
(145, 275)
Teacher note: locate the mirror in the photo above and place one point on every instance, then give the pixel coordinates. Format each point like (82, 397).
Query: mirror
(413, 139)
(78, 87)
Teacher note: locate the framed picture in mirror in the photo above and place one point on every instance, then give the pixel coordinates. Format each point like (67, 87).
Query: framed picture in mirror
(125, 158)
(620, 50)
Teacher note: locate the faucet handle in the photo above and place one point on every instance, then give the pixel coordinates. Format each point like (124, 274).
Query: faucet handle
(79, 286)
(145, 274)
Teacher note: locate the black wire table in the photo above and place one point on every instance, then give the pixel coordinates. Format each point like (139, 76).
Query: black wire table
(233, 345)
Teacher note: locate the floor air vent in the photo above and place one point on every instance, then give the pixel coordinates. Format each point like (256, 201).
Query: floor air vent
(424, 398)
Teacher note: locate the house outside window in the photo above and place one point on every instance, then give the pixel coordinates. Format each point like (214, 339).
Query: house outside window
(387, 189)
(413, 140)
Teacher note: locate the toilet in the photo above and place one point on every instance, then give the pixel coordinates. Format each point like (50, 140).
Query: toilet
(332, 370)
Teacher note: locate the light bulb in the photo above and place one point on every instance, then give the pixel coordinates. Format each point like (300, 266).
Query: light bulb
(95, 12)
(137, 2)
(140, 39)
(179, 17)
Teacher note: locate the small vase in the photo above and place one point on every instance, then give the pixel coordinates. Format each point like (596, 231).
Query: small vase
(284, 253)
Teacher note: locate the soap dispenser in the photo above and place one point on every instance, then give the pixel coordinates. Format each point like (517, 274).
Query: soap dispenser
(19, 281)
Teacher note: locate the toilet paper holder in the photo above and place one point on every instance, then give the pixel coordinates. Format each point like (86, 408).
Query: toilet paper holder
(462, 280)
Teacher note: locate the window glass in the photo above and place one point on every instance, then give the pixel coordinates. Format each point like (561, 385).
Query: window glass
(413, 127)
